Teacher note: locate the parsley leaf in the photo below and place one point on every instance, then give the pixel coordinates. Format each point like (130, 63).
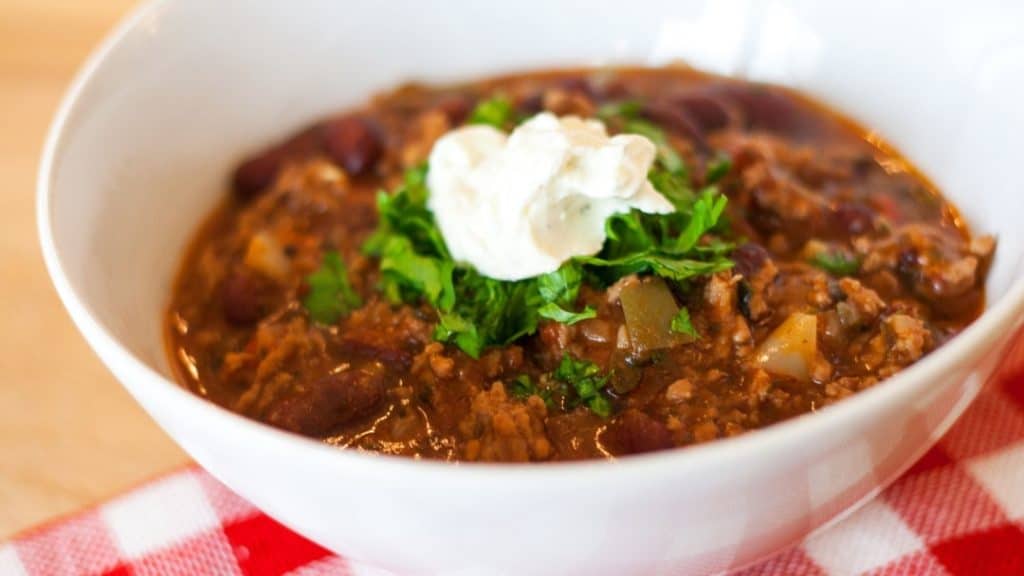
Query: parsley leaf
(406, 273)
(663, 244)
(405, 213)
(523, 387)
(330, 293)
(487, 312)
(622, 108)
(681, 324)
(558, 290)
(587, 381)
(495, 111)
(562, 285)
(717, 169)
(836, 263)
(706, 211)
(672, 186)
(555, 312)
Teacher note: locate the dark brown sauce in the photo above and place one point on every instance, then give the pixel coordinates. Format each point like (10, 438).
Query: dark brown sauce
(804, 179)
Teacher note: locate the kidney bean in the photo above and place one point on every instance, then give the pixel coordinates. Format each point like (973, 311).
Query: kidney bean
(762, 215)
(330, 402)
(531, 104)
(764, 108)
(390, 354)
(672, 118)
(749, 258)
(634, 432)
(245, 297)
(853, 218)
(353, 143)
(576, 84)
(455, 107)
(706, 112)
(608, 88)
(256, 174)
(908, 266)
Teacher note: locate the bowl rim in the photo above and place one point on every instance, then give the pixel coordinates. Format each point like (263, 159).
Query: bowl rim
(978, 339)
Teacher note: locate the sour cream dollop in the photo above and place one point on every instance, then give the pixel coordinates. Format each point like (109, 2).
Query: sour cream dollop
(518, 205)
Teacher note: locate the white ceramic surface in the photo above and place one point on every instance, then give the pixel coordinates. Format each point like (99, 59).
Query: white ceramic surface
(140, 150)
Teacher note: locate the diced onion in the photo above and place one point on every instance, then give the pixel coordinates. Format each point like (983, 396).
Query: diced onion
(265, 254)
(791, 349)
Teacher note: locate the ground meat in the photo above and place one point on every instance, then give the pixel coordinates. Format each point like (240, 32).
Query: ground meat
(933, 260)
(759, 273)
(499, 429)
(730, 336)
(381, 333)
(861, 306)
(908, 337)
(773, 194)
(825, 224)
(426, 129)
(565, 102)
(720, 297)
(279, 349)
(432, 357)
(958, 276)
(679, 391)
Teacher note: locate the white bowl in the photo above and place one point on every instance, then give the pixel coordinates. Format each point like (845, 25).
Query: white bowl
(141, 147)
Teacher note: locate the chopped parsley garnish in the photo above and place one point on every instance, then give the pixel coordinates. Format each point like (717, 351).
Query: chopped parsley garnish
(837, 263)
(587, 381)
(555, 312)
(475, 312)
(495, 111)
(577, 382)
(330, 294)
(523, 387)
(662, 244)
(681, 324)
(558, 290)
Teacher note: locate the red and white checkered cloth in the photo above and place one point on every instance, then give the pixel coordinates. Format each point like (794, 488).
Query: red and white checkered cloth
(958, 511)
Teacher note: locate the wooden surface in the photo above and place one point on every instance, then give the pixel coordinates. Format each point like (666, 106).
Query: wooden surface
(69, 434)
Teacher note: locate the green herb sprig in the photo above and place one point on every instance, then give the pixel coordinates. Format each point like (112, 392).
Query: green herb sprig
(681, 324)
(330, 295)
(475, 312)
(496, 111)
(587, 381)
(836, 263)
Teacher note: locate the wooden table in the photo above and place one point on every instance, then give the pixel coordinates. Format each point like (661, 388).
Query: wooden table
(69, 434)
